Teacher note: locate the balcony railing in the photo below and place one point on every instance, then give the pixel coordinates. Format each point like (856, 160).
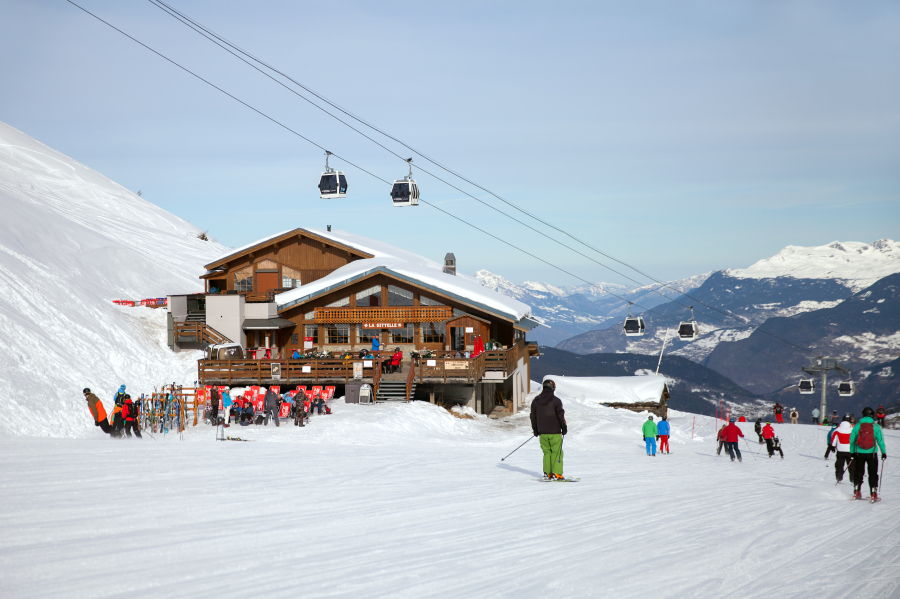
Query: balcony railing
(383, 315)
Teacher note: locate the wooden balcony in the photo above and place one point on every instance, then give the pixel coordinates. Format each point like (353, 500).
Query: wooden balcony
(383, 315)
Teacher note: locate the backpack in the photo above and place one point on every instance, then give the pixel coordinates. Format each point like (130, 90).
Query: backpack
(866, 437)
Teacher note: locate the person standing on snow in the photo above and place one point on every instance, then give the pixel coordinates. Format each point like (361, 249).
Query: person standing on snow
(835, 419)
(214, 398)
(758, 429)
(776, 446)
(880, 415)
(795, 416)
(815, 414)
(778, 410)
(548, 421)
(720, 437)
(98, 412)
(768, 434)
(663, 429)
(118, 423)
(828, 440)
(840, 445)
(649, 431)
(271, 406)
(732, 432)
(129, 414)
(863, 440)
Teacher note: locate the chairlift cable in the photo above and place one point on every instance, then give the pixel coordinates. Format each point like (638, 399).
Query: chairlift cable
(205, 32)
(280, 124)
(187, 21)
(196, 26)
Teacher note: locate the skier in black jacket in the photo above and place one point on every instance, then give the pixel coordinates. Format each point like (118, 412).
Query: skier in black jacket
(548, 421)
(758, 428)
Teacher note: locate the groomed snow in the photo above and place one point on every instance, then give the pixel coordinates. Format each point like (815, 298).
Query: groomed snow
(409, 264)
(409, 501)
(856, 264)
(609, 389)
(71, 241)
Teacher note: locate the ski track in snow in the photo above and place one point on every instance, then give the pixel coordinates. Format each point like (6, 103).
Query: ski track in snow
(405, 500)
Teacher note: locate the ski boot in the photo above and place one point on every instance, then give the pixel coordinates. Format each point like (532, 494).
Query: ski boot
(857, 493)
(547, 476)
(740, 459)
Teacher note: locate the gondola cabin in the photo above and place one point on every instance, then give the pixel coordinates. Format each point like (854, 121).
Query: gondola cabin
(807, 386)
(405, 193)
(332, 185)
(634, 326)
(688, 331)
(846, 388)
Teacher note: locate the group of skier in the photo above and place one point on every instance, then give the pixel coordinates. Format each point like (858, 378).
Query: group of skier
(125, 416)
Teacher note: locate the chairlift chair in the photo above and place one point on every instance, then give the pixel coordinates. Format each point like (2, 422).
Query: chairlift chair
(332, 184)
(689, 330)
(807, 386)
(405, 192)
(634, 325)
(846, 388)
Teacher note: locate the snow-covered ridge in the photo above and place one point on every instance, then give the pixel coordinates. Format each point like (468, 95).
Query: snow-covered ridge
(856, 264)
(71, 241)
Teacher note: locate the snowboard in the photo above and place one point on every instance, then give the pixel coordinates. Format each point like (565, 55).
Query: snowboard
(565, 480)
(229, 438)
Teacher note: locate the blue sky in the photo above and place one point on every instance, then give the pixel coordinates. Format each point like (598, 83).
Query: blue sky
(679, 137)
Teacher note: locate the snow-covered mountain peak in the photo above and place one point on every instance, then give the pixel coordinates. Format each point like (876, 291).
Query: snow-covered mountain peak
(857, 265)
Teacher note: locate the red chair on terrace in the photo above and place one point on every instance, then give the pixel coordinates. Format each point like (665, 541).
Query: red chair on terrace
(328, 394)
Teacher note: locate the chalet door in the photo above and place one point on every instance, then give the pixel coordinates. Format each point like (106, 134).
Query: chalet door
(266, 281)
(457, 338)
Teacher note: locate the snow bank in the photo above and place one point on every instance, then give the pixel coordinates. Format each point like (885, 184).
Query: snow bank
(856, 264)
(609, 389)
(71, 241)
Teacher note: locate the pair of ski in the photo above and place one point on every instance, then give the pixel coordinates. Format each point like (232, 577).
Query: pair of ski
(870, 499)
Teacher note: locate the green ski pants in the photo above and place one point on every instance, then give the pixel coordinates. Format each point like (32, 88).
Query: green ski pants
(551, 445)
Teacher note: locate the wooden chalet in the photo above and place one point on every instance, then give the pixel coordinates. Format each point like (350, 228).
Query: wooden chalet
(309, 290)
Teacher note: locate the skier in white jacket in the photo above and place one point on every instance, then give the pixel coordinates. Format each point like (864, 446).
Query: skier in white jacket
(840, 444)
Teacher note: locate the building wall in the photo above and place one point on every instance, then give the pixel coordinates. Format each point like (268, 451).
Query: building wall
(178, 307)
(226, 314)
(313, 258)
(263, 310)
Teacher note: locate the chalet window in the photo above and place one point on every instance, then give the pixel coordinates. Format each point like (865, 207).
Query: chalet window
(312, 330)
(369, 297)
(433, 332)
(337, 334)
(290, 278)
(266, 265)
(294, 339)
(399, 297)
(404, 335)
(243, 279)
(365, 335)
(424, 301)
(341, 303)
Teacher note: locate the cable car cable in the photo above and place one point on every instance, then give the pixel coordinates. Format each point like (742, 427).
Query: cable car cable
(183, 17)
(386, 182)
(190, 23)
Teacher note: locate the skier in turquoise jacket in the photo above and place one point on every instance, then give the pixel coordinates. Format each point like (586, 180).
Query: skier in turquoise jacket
(650, 432)
(865, 437)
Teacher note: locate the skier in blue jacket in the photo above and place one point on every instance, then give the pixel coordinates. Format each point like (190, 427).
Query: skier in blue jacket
(662, 431)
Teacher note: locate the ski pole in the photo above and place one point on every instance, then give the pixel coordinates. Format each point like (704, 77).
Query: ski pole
(881, 476)
(748, 448)
(517, 448)
(561, 440)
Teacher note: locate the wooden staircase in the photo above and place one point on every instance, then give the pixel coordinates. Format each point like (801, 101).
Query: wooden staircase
(394, 391)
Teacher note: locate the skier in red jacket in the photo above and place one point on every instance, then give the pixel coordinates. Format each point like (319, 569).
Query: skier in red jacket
(720, 437)
(130, 414)
(732, 432)
(768, 434)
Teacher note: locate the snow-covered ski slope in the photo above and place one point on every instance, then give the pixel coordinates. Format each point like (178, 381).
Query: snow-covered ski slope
(406, 500)
(71, 241)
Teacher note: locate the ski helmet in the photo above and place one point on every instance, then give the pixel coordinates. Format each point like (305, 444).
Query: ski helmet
(846, 418)
(868, 412)
(86, 391)
(731, 419)
(122, 388)
(549, 384)
(650, 417)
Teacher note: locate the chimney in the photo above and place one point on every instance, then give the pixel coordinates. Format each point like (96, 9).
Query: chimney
(450, 264)
(329, 228)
